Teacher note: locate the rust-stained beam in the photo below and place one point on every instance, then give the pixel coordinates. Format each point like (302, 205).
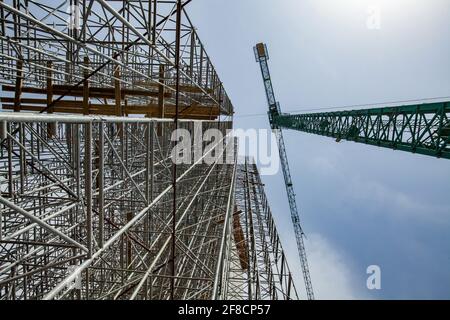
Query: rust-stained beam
(94, 92)
(49, 86)
(183, 88)
(239, 239)
(33, 104)
(51, 127)
(161, 96)
(19, 86)
(117, 92)
(195, 113)
(86, 87)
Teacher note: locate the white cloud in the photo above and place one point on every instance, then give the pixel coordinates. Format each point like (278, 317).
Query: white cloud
(331, 271)
(400, 203)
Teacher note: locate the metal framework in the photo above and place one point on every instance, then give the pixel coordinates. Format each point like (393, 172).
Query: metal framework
(92, 205)
(262, 56)
(106, 57)
(87, 214)
(422, 129)
(256, 267)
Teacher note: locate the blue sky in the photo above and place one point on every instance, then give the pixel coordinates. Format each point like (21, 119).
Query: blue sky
(360, 205)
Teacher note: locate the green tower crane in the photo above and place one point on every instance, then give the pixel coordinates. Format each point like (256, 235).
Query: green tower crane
(421, 128)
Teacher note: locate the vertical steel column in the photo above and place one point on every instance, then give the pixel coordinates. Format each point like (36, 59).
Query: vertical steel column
(22, 160)
(88, 197)
(86, 107)
(249, 233)
(174, 166)
(19, 85)
(149, 177)
(51, 127)
(10, 164)
(161, 91)
(101, 182)
(88, 184)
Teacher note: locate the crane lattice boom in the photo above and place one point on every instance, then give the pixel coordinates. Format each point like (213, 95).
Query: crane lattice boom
(274, 112)
(422, 129)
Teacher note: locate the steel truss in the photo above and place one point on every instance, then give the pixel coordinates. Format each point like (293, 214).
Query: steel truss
(92, 205)
(422, 129)
(105, 57)
(87, 214)
(256, 266)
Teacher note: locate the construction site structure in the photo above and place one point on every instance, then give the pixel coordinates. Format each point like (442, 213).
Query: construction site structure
(87, 215)
(259, 247)
(421, 128)
(92, 203)
(416, 128)
(262, 57)
(101, 57)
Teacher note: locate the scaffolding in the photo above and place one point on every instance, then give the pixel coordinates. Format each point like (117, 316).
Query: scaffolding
(92, 204)
(257, 268)
(87, 214)
(106, 57)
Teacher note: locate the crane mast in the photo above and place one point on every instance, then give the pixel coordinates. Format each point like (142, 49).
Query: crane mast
(262, 57)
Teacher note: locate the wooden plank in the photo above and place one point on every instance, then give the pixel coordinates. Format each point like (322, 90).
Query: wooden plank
(94, 92)
(118, 92)
(153, 112)
(239, 240)
(86, 87)
(134, 109)
(161, 100)
(183, 88)
(51, 127)
(58, 109)
(49, 86)
(19, 86)
(66, 103)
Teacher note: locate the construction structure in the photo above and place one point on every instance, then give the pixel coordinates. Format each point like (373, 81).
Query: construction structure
(93, 205)
(268, 276)
(107, 58)
(262, 57)
(417, 128)
(423, 129)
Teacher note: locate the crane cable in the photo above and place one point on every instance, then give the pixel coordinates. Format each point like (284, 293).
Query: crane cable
(346, 107)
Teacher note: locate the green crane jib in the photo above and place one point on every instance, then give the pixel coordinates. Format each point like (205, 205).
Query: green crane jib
(262, 56)
(422, 129)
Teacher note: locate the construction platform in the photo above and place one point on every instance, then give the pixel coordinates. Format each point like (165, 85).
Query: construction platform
(92, 205)
(86, 214)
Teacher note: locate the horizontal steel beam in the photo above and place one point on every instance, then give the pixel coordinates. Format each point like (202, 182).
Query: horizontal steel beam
(80, 119)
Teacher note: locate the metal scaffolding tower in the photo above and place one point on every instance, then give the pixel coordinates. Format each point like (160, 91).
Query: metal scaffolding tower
(256, 268)
(106, 57)
(87, 214)
(92, 205)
